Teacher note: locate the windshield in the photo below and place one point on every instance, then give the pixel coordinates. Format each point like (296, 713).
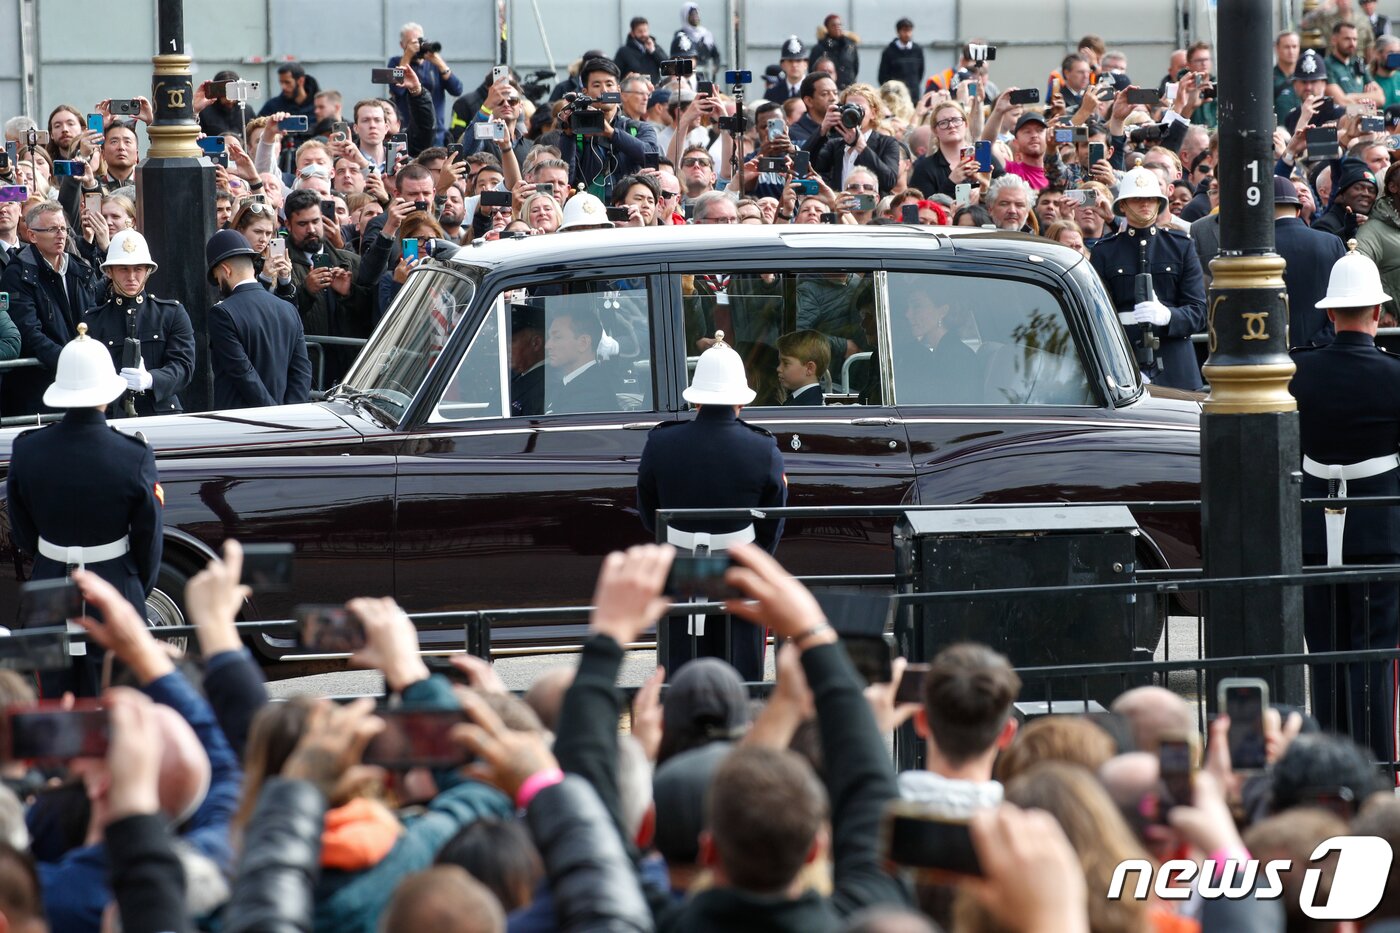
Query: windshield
(408, 342)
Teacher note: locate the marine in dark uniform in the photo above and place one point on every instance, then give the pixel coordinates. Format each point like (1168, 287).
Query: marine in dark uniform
(256, 343)
(1349, 418)
(1178, 308)
(714, 461)
(161, 327)
(84, 495)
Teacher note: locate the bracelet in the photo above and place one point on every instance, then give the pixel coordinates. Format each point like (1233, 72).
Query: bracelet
(814, 630)
(485, 109)
(536, 783)
(784, 216)
(255, 186)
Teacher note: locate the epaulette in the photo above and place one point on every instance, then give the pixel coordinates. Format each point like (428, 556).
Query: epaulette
(135, 437)
(755, 428)
(33, 430)
(1305, 348)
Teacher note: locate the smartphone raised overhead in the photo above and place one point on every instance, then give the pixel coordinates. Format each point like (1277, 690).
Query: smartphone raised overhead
(47, 731)
(417, 739)
(1244, 700)
(390, 76)
(917, 835)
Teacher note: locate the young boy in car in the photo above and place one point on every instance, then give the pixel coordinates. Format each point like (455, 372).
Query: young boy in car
(803, 357)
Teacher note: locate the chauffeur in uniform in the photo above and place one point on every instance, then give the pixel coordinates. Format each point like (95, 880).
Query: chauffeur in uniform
(84, 495)
(1350, 432)
(256, 342)
(715, 461)
(1177, 309)
(162, 327)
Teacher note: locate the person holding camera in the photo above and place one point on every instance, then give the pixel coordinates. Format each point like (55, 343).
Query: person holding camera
(953, 162)
(425, 58)
(499, 124)
(849, 138)
(328, 297)
(599, 142)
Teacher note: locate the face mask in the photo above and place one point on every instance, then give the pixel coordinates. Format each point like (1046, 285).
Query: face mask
(1141, 213)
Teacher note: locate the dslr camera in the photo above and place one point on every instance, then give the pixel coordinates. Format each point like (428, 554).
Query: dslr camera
(427, 48)
(852, 115)
(1147, 133)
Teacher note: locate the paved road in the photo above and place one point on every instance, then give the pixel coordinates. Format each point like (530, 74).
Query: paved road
(518, 673)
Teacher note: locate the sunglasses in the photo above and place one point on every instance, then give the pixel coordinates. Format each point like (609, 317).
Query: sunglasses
(690, 163)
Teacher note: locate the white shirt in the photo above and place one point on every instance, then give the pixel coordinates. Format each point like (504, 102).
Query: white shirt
(5, 245)
(848, 161)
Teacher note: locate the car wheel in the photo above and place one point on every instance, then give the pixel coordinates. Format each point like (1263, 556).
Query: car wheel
(164, 608)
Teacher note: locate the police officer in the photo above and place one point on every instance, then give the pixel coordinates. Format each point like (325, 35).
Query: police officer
(84, 495)
(1350, 432)
(256, 343)
(1176, 307)
(792, 63)
(158, 365)
(715, 461)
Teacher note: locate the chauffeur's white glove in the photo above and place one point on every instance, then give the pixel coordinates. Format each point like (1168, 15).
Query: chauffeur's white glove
(137, 379)
(1152, 312)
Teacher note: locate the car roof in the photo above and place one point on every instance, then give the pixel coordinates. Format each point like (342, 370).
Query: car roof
(688, 243)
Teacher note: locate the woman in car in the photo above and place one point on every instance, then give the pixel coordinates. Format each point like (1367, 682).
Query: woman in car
(258, 224)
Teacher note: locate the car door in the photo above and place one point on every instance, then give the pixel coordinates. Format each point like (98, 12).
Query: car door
(851, 450)
(513, 490)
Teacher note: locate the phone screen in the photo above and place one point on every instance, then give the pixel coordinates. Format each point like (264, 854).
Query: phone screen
(1245, 703)
(46, 603)
(929, 842)
(873, 658)
(329, 629)
(268, 566)
(911, 684)
(417, 739)
(47, 734)
(801, 163)
(699, 577)
(410, 249)
(1177, 773)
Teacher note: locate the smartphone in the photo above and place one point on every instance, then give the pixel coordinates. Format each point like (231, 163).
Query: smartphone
(294, 124)
(390, 76)
(738, 77)
(212, 145)
(410, 249)
(1064, 134)
(699, 577)
(911, 684)
(417, 739)
(863, 203)
(777, 164)
(915, 835)
(962, 194)
(45, 732)
(277, 247)
(678, 67)
(1026, 95)
(544, 187)
(909, 213)
(40, 649)
(704, 88)
(328, 630)
(268, 567)
(1322, 141)
(319, 261)
(777, 126)
(340, 129)
(495, 198)
(328, 210)
(491, 129)
(1368, 125)
(95, 124)
(5, 302)
(1143, 95)
(500, 73)
(618, 215)
(873, 657)
(45, 603)
(1080, 196)
(651, 160)
(5, 162)
(18, 193)
(1097, 152)
(807, 186)
(123, 107)
(1177, 769)
(984, 155)
(967, 152)
(1244, 700)
(586, 122)
(68, 167)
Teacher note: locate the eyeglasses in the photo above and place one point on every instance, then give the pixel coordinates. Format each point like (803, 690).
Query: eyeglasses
(949, 122)
(47, 229)
(670, 194)
(854, 187)
(257, 207)
(511, 101)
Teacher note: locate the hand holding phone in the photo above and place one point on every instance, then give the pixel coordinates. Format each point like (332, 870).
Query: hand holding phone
(1244, 700)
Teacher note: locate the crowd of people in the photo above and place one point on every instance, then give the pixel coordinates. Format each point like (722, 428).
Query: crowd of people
(694, 809)
(642, 138)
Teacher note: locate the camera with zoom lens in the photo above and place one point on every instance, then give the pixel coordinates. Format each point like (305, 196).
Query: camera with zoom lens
(852, 115)
(1147, 133)
(427, 48)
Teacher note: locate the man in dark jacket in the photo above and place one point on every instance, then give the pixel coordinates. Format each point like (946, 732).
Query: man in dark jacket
(876, 151)
(160, 326)
(1350, 436)
(903, 61)
(256, 343)
(835, 44)
(818, 93)
(329, 299)
(639, 54)
(597, 160)
(1177, 308)
(49, 289)
(792, 62)
(1310, 255)
(1354, 193)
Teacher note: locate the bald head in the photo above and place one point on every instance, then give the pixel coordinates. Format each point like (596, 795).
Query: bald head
(444, 899)
(1154, 712)
(546, 694)
(184, 766)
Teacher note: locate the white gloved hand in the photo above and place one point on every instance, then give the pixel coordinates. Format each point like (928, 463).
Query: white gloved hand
(137, 379)
(1152, 312)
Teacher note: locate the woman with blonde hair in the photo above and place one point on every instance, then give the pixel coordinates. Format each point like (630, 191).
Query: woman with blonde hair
(899, 105)
(1067, 233)
(258, 224)
(541, 212)
(874, 150)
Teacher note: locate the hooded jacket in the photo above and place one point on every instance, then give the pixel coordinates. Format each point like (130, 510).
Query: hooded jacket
(700, 39)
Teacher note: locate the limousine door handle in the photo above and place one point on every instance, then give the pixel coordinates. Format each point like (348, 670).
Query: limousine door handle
(640, 425)
(877, 422)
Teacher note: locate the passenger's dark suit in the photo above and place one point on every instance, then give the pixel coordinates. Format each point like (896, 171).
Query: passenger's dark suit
(812, 395)
(594, 389)
(258, 350)
(1348, 413)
